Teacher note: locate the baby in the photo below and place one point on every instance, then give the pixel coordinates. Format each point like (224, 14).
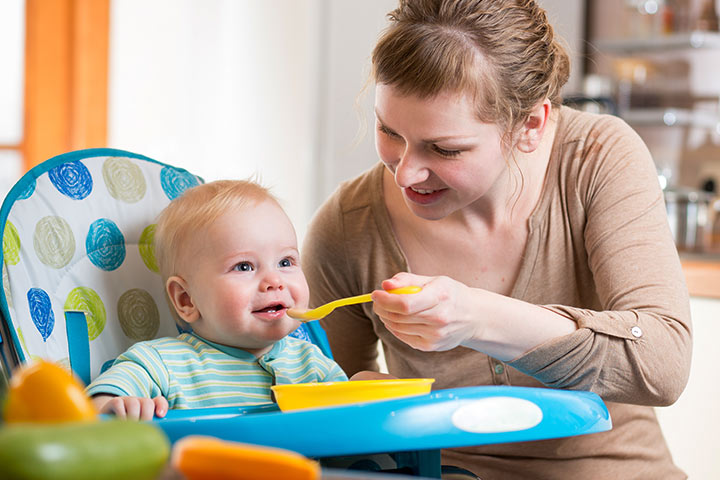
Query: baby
(228, 256)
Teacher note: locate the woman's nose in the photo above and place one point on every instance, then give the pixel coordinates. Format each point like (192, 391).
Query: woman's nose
(410, 170)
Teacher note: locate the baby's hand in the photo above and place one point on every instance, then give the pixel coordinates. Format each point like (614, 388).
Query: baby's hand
(132, 408)
(369, 375)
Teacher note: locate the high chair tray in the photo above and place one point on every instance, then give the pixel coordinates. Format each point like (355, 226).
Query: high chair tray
(445, 418)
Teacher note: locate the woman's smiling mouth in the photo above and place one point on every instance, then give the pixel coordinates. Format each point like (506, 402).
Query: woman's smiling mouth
(423, 196)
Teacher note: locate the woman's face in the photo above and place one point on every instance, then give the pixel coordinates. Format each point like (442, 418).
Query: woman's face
(442, 157)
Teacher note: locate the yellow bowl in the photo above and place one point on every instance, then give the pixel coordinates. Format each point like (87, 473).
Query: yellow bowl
(315, 395)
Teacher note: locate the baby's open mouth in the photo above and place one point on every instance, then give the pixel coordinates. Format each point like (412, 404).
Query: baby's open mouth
(271, 308)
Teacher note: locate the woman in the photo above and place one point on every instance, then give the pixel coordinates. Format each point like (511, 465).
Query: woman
(538, 233)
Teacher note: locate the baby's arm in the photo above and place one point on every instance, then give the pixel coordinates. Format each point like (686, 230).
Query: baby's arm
(133, 408)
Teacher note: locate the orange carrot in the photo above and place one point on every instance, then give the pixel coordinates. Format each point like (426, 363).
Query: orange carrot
(199, 458)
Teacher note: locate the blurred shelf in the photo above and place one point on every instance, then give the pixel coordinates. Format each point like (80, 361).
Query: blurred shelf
(661, 43)
(672, 117)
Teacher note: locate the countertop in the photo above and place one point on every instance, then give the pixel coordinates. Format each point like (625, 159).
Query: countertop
(702, 273)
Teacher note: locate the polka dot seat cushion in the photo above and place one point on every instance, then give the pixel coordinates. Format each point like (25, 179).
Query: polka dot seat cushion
(78, 237)
(80, 281)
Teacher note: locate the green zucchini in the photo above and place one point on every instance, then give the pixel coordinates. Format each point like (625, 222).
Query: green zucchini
(105, 450)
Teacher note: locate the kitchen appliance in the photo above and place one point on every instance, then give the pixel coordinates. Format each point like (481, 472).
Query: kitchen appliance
(690, 215)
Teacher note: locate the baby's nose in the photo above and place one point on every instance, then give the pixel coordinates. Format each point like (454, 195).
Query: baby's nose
(271, 282)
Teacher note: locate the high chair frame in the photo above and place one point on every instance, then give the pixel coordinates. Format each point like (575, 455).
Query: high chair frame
(63, 321)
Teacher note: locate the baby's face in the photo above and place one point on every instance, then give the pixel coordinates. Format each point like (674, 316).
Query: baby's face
(243, 275)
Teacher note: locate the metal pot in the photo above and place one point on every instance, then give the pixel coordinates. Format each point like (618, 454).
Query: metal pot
(689, 214)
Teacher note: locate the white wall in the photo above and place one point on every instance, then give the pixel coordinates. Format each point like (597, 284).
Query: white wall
(346, 140)
(353, 28)
(692, 425)
(229, 88)
(223, 88)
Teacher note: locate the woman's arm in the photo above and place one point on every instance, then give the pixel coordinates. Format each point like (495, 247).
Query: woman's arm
(449, 314)
(635, 348)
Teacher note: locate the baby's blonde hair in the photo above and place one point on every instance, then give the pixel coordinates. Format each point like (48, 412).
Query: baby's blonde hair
(195, 210)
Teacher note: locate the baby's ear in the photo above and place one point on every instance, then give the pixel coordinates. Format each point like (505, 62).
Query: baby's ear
(180, 298)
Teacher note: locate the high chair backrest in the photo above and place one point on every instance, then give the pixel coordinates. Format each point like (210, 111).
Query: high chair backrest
(80, 281)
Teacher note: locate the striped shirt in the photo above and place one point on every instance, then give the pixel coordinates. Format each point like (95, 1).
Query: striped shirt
(192, 372)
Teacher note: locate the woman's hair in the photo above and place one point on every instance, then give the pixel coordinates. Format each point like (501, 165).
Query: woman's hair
(195, 210)
(503, 53)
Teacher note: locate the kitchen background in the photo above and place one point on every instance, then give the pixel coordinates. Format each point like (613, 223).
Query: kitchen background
(233, 88)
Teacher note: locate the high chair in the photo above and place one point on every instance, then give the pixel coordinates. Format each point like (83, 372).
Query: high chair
(80, 285)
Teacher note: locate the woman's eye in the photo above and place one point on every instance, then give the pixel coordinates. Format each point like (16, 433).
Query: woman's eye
(446, 153)
(286, 262)
(244, 267)
(388, 132)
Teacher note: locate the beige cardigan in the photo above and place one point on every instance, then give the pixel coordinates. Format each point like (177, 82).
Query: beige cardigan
(599, 251)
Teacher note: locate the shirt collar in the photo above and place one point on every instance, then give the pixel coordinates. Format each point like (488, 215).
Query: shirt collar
(244, 354)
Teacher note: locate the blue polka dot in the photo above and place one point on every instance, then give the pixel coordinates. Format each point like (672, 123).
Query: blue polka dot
(72, 179)
(41, 311)
(301, 333)
(174, 182)
(105, 245)
(29, 190)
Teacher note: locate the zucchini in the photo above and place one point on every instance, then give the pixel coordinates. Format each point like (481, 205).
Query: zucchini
(112, 449)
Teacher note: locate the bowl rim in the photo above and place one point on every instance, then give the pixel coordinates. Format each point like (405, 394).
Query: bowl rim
(354, 383)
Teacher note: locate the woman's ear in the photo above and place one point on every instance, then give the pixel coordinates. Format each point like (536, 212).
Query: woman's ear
(532, 130)
(181, 300)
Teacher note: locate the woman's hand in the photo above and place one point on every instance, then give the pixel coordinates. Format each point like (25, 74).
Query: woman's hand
(131, 408)
(440, 317)
(447, 314)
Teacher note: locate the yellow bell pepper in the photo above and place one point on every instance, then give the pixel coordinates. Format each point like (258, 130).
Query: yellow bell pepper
(200, 458)
(44, 392)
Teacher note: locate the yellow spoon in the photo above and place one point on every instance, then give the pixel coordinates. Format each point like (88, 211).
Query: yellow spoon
(324, 310)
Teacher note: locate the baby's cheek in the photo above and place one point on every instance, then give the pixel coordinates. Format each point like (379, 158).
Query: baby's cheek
(301, 295)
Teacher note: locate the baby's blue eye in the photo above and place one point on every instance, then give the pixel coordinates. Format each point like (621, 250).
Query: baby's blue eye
(285, 262)
(244, 267)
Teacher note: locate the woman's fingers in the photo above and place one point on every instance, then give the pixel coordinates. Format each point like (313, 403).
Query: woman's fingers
(404, 279)
(428, 320)
(418, 342)
(408, 303)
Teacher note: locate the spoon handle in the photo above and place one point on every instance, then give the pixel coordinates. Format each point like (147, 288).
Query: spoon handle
(367, 297)
(324, 310)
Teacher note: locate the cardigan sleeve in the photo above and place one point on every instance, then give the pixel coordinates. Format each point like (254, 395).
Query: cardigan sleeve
(637, 347)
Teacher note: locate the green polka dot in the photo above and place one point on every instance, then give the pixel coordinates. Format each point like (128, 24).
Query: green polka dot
(124, 180)
(11, 244)
(54, 242)
(6, 286)
(147, 249)
(86, 300)
(138, 315)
